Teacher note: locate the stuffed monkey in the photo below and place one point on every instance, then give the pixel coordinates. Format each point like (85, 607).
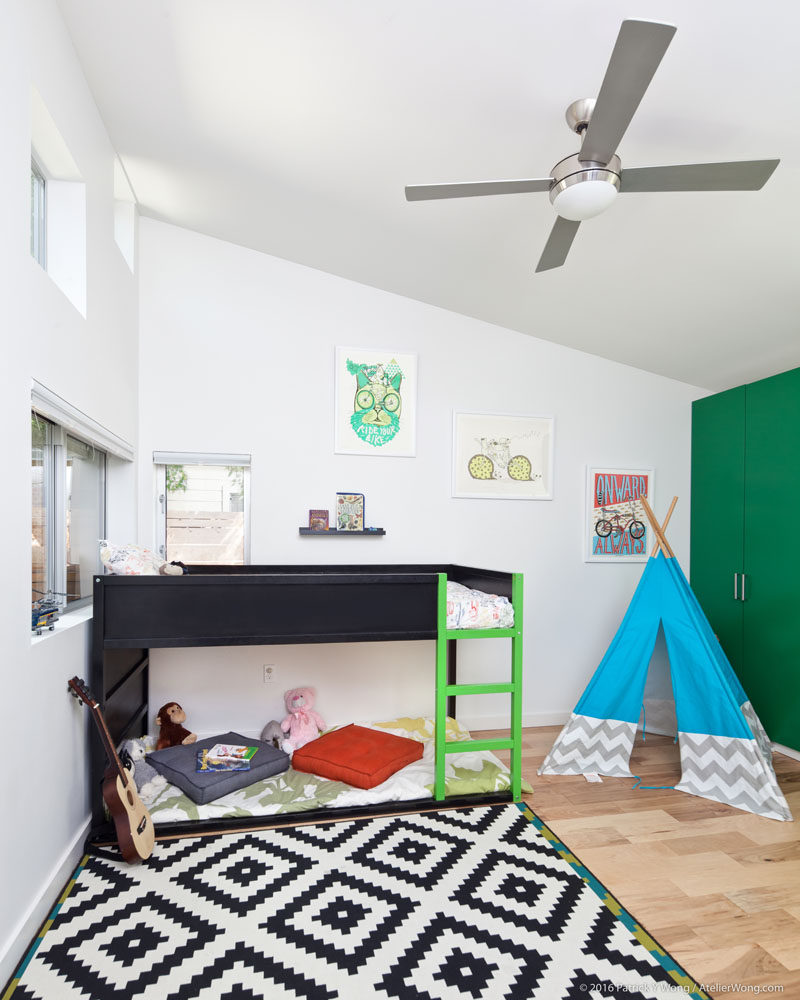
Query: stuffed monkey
(172, 733)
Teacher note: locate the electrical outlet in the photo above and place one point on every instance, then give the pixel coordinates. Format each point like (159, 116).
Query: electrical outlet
(269, 673)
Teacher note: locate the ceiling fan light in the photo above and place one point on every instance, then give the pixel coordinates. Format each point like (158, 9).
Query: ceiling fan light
(582, 196)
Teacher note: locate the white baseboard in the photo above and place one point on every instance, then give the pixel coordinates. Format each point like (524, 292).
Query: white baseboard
(14, 949)
(786, 751)
(534, 720)
(476, 722)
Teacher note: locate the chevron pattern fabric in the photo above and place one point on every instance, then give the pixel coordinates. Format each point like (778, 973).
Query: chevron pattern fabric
(481, 903)
(758, 731)
(732, 771)
(590, 745)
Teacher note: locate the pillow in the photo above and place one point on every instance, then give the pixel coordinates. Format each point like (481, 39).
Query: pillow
(356, 755)
(179, 767)
(129, 560)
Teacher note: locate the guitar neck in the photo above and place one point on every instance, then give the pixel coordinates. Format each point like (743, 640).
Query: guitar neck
(108, 743)
(79, 689)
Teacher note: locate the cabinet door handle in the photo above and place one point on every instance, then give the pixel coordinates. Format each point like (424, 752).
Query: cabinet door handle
(736, 586)
(744, 577)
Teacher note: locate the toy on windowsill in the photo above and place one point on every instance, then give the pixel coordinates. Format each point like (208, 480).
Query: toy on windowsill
(302, 724)
(147, 780)
(172, 733)
(44, 613)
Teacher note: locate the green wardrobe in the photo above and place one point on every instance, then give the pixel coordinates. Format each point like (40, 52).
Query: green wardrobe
(745, 555)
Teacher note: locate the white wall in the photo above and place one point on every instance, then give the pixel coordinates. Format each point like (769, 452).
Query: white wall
(237, 355)
(91, 362)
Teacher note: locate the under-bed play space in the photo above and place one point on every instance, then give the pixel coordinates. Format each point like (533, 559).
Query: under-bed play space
(472, 773)
(272, 605)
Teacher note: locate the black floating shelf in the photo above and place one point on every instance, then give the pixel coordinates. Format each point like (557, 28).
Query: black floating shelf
(369, 532)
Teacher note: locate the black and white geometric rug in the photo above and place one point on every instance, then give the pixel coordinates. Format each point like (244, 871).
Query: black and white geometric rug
(480, 903)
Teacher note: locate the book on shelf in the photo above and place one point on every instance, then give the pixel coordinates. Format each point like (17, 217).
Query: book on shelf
(350, 511)
(318, 520)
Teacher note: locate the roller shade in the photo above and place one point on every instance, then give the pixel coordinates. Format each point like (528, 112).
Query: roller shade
(198, 458)
(51, 406)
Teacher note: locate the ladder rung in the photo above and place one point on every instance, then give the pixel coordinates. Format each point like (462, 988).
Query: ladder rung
(505, 688)
(482, 633)
(462, 746)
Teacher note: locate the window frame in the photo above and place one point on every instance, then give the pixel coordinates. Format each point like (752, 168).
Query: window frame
(48, 491)
(102, 509)
(162, 459)
(38, 214)
(56, 500)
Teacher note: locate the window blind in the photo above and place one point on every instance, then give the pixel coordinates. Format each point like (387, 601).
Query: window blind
(199, 458)
(50, 405)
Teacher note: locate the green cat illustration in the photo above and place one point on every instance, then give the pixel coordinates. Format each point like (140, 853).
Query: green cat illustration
(377, 404)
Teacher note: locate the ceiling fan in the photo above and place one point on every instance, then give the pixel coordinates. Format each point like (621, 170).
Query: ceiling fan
(586, 183)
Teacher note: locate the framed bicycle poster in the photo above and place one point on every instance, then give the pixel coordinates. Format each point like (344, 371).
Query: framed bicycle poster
(616, 527)
(502, 456)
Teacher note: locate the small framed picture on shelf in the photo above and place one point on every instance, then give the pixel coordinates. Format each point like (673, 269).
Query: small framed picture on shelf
(349, 511)
(318, 520)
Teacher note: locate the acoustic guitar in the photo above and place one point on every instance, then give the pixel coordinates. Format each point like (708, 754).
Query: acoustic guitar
(132, 822)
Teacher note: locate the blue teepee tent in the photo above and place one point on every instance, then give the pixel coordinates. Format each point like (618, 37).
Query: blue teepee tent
(725, 753)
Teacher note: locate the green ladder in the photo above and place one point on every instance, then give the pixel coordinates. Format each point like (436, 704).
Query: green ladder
(443, 746)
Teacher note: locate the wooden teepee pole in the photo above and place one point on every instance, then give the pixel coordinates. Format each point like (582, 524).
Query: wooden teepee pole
(663, 544)
(666, 522)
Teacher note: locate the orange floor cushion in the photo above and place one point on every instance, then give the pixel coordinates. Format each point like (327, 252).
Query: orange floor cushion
(356, 755)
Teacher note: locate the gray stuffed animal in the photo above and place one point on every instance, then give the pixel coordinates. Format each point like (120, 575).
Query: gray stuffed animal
(147, 780)
(272, 733)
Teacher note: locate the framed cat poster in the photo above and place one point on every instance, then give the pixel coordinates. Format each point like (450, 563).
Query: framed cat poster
(375, 405)
(502, 456)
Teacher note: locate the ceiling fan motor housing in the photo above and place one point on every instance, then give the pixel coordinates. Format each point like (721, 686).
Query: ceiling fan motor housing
(579, 114)
(582, 189)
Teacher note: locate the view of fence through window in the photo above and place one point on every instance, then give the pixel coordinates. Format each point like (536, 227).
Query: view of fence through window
(205, 514)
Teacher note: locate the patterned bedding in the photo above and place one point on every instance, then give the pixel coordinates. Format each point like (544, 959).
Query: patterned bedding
(293, 791)
(474, 609)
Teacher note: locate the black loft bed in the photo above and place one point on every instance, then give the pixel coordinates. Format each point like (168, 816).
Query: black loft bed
(263, 605)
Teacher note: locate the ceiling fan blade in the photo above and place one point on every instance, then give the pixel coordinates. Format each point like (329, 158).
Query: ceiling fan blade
(639, 49)
(469, 189)
(557, 247)
(743, 175)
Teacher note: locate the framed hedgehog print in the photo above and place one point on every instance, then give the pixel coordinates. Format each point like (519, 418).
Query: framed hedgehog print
(375, 408)
(502, 456)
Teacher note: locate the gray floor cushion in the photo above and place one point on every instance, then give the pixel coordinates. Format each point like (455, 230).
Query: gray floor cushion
(179, 767)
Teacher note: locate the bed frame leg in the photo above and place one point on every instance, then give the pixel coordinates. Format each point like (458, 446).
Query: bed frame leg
(442, 672)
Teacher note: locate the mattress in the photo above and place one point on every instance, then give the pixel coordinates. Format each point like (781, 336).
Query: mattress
(472, 772)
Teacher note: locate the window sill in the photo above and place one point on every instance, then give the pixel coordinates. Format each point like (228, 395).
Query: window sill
(68, 620)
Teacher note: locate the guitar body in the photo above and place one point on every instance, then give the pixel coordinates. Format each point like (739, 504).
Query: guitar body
(131, 819)
(132, 822)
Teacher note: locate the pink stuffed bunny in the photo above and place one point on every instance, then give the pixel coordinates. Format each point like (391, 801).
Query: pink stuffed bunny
(302, 723)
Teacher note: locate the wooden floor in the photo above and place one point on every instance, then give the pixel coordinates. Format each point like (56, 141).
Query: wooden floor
(717, 887)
